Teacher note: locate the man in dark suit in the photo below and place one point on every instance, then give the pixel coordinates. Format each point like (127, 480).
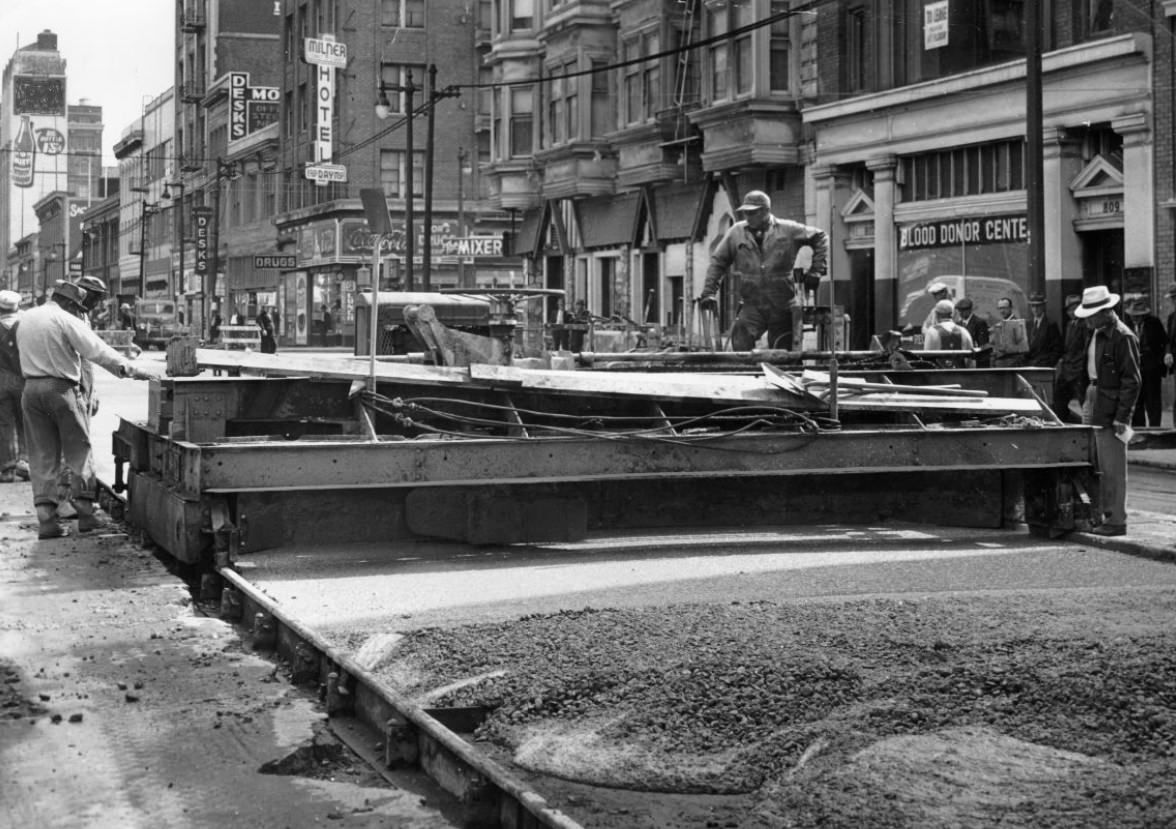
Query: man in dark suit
(1070, 377)
(1153, 342)
(1045, 339)
(977, 329)
(1170, 354)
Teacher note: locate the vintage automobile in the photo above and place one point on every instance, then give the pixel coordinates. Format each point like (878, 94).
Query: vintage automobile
(984, 291)
(156, 322)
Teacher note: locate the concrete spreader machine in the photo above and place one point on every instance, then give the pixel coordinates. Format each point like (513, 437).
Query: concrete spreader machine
(289, 449)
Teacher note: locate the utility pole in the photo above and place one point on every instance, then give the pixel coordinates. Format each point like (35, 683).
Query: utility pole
(148, 210)
(1035, 160)
(383, 110)
(462, 155)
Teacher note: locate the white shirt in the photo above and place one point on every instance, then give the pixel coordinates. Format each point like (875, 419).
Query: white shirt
(53, 343)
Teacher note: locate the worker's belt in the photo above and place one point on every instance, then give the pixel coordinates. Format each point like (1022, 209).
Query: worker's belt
(50, 377)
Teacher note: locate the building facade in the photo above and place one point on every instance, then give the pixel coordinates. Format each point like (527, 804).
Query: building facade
(919, 161)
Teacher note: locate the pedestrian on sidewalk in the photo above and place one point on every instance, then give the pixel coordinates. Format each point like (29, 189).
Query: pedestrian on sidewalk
(1070, 380)
(1112, 362)
(269, 345)
(1170, 354)
(53, 341)
(1153, 341)
(14, 458)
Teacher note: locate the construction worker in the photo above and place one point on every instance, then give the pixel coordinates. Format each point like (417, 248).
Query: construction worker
(761, 251)
(14, 460)
(948, 335)
(53, 341)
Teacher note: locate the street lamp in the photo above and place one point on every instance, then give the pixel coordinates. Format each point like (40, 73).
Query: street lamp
(463, 157)
(181, 230)
(149, 209)
(383, 110)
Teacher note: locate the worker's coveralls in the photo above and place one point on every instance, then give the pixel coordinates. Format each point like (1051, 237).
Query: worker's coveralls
(53, 343)
(766, 285)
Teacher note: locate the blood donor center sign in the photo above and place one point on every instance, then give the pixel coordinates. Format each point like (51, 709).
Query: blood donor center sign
(978, 231)
(974, 256)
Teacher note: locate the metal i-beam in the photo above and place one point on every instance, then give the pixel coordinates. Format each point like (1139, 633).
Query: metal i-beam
(333, 464)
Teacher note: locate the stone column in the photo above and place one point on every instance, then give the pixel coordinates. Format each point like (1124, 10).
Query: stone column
(885, 242)
(1138, 192)
(1063, 247)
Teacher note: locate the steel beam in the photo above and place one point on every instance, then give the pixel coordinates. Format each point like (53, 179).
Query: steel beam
(271, 466)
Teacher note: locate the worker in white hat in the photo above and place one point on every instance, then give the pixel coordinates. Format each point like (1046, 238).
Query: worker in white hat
(1112, 363)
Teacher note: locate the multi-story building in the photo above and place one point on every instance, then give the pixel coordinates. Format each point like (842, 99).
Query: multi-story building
(33, 131)
(51, 146)
(919, 165)
(424, 158)
(224, 189)
(627, 131)
(100, 246)
(146, 159)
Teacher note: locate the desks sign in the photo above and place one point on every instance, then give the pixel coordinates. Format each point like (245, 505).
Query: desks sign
(272, 262)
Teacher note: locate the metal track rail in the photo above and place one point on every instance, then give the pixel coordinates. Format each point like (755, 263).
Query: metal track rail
(490, 796)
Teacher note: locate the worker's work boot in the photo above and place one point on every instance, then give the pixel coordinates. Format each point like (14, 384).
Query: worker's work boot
(49, 525)
(87, 520)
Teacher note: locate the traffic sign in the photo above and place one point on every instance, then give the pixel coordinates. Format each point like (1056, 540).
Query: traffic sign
(325, 52)
(324, 172)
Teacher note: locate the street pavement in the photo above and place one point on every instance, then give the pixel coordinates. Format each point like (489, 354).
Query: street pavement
(83, 619)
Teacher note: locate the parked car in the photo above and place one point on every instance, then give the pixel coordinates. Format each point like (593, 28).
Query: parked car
(156, 322)
(984, 292)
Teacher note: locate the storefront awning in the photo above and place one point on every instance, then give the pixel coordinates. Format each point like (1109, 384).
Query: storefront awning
(674, 209)
(607, 221)
(527, 233)
(242, 276)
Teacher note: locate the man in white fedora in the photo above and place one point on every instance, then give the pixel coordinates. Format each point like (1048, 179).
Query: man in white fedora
(1112, 363)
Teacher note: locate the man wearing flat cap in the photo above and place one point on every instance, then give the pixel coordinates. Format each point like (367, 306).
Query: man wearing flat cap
(1112, 362)
(977, 328)
(761, 251)
(1045, 338)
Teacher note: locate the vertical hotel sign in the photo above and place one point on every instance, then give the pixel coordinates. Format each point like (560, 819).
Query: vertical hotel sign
(325, 54)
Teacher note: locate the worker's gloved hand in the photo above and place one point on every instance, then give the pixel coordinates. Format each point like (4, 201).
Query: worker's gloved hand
(708, 303)
(93, 405)
(1168, 360)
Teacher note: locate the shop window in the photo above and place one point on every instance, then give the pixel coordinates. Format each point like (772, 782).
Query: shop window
(779, 71)
(403, 14)
(521, 121)
(1102, 16)
(522, 14)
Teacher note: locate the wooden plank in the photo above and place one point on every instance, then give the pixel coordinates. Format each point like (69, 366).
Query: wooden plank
(820, 378)
(711, 387)
(341, 367)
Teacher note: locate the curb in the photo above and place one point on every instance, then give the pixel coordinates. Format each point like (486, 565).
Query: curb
(1124, 544)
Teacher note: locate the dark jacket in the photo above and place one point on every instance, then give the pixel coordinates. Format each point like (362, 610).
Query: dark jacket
(1153, 341)
(1045, 342)
(1172, 338)
(1072, 366)
(765, 270)
(978, 327)
(1117, 378)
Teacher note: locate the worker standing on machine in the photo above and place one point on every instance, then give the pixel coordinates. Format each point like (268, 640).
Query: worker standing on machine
(761, 250)
(948, 335)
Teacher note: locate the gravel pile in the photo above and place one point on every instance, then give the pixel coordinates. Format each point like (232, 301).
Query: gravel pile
(1027, 711)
